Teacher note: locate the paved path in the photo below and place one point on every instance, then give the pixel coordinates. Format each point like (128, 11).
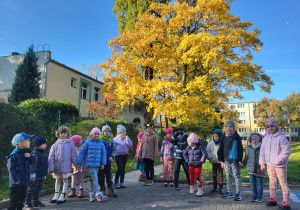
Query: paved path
(137, 196)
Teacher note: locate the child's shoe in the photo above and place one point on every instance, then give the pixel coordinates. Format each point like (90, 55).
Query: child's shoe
(100, 197)
(102, 190)
(111, 193)
(142, 177)
(253, 198)
(80, 193)
(200, 191)
(27, 206)
(146, 182)
(61, 199)
(92, 197)
(284, 206)
(271, 202)
(54, 199)
(72, 193)
(122, 185)
(37, 203)
(192, 189)
(227, 195)
(220, 191)
(259, 200)
(171, 184)
(237, 196)
(214, 189)
(176, 188)
(117, 185)
(165, 184)
(150, 182)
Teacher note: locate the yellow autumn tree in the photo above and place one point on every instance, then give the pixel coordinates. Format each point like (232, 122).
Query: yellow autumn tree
(183, 59)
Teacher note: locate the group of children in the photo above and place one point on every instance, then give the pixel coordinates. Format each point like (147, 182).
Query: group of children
(67, 156)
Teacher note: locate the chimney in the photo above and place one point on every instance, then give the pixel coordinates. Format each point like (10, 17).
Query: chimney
(15, 53)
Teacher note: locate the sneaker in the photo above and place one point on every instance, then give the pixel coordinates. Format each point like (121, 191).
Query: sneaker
(122, 185)
(150, 182)
(80, 193)
(176, 188)
(92, 197)
(237, 196)
(37, 203)
(192, 189)
(171, 184)
(253, 198)
(227, 195)
(145, 183)
(27, 206)
(117, 185)
(72, 193)
(271, 202)
(284, 206)
(165, 184)
(200, 191)
(111, 193)
(100, 197)
(259, 200)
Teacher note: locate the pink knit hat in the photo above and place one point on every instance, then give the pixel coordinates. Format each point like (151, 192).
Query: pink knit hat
(271, 121)
(140, 134)
(192, 138)
(169, 130)
(95, 130)
(75, 139)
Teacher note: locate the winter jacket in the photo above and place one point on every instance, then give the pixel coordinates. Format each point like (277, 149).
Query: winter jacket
(82, 168)
(195, 157)
(40, 168)
(19, 167)
(121, 145)
(252, 159)
(275, 150)
(136, 156)
(167, 149)
(149, 148)
(110, 150)
(236, 140)
(180, 143)
(93, 152)
(212, 151)
(61, 157)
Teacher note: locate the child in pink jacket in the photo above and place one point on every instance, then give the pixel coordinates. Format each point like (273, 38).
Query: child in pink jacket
(140, 165)
(274, 154)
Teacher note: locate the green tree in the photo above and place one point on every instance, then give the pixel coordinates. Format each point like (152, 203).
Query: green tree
(26, 83)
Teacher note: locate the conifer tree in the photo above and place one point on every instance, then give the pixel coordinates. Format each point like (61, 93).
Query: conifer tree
(26, 83)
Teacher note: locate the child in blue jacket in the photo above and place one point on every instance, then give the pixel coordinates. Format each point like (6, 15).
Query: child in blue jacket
(94, 154)
(18, 165)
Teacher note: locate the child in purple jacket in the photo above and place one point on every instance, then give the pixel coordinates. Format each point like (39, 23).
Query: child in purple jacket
(62, 154)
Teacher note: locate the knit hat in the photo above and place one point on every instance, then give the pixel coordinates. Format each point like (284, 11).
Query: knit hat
(255, 137)
(149, 124)
(105, 127)
(230, 122)
(218, 131)
(120, 128)
(271, 121)
(140, 134)
(75, 139)
(38, 140)
(192, 138)
(169, 130)
(95, 130)
(20, 137)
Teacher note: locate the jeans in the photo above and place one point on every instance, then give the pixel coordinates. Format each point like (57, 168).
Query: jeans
(257, 187)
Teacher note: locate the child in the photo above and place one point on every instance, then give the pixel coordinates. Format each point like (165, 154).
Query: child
(167, 157)
(38, 172)
(107, 139)
(18, 165)
(195, 155)
(94, 155)
(149, 152)
(122, 143)
(179, 140)
(140, 165)
(78, 173)
(62, 155)
(230, 155)
(212, 156)
(251, 159)
(274, 154)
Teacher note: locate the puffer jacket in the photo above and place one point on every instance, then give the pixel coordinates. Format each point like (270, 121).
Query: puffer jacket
(19, 167)
(93, 152)
(251, 159)
(275, 150)
(195, 157)
(61, 156)
(149, 148)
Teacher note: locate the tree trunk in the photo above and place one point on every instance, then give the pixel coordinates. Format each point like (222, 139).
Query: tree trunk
(167, 123)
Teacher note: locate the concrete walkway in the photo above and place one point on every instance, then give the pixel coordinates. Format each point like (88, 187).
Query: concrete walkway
(137, 196)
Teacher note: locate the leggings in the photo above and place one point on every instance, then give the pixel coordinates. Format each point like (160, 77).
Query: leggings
(149, 168)
(168, 167)
(215, 168)
(281, 173)
(77, 177)
(233, 169)
(195, 174)
(121, 161)
(94, 187)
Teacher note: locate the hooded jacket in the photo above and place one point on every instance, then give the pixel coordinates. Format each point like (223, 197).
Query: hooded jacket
(275, 150)
(122, 147)
(149, 146)
(236, 139)
(252, 158)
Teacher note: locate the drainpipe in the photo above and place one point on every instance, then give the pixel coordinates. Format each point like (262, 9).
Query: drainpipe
(249, 116)
(44, 76)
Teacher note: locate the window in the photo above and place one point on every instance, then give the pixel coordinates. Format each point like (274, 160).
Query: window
(84, 91)
(254, 105)
(285, 130)
(256, 130)
(232, 106)
(241, 130)
(241, 113)
(96, 94)
(242, 121)
(241, 105)
(261, 130)
(255, 121)
(74, 82)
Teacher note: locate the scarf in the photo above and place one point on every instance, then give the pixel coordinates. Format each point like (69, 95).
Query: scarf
(256, 146)
(216, 142)
(106, 138)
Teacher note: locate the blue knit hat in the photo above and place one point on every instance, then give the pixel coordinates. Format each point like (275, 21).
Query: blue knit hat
(120, 128)
(218, 131)
(38, 140)
(20, 137)
(105, 127)
(230, 122)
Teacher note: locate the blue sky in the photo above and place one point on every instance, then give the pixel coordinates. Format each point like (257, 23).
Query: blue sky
(78, 31)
